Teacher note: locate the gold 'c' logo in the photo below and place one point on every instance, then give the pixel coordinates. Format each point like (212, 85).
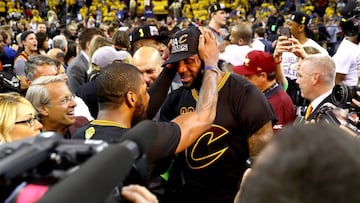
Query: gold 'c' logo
(197, 157)
(183, 38)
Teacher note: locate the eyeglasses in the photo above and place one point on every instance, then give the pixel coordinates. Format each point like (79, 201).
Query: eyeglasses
(30, 121)
(67, 99)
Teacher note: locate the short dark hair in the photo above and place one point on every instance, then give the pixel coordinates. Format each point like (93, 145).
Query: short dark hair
(306, 163)
(271, 76)
(114, 82)
(87, 35)
(260, 31)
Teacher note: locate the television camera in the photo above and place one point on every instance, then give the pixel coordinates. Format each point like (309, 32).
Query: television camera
(75, 170)
(341, 111)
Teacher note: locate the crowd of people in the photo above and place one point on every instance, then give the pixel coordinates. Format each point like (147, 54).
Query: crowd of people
(233, 99)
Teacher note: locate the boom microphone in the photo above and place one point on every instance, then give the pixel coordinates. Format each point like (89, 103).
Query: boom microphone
(143, 134)
(97, 177)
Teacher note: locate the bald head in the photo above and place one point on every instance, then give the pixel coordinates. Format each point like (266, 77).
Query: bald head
(56, 53)
(148, 61)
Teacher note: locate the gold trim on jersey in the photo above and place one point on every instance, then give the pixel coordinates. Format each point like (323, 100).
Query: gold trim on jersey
(106, 123)
(221, 84)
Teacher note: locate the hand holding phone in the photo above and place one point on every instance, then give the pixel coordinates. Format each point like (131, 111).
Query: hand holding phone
(285, 31)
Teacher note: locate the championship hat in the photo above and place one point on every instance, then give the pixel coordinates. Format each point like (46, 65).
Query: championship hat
(300, 17)
(216, 7)
(146, 32)
(256, 62)
(184, 44)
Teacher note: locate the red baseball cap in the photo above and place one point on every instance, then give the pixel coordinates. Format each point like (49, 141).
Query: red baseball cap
(256, 62)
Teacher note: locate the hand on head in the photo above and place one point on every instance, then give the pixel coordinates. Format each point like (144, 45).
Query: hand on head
(208, 47)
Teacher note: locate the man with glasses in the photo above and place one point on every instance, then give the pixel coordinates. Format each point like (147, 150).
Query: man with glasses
(316, 79)
(40, 65)
(54, 103)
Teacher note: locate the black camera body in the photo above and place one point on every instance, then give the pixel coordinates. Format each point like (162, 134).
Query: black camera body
(341, 111)
(342, 95)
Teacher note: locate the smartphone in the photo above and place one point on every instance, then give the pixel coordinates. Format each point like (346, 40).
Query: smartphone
(285, 31)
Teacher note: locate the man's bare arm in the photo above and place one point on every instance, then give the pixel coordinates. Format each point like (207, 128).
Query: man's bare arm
(258, 140)
(193, 124)
(339, 78)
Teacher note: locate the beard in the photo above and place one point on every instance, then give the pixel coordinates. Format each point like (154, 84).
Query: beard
(140, 113)
(196, 83)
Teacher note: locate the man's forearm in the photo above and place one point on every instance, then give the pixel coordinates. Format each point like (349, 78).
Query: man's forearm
(208, 96)
(258, 140)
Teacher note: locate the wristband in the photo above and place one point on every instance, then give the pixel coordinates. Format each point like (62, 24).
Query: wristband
(209, 68)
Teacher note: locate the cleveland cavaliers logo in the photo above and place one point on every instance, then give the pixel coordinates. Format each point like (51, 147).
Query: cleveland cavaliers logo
(207, 149)
(179, 44)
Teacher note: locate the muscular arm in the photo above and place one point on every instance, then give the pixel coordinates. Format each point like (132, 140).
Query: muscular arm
(339, 78)
(259, 139)
(193, 124)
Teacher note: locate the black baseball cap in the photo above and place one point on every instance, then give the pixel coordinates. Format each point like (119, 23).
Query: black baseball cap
(146, 32)
(184, 44)
(216, 7)
(300, 17)
(25, 34)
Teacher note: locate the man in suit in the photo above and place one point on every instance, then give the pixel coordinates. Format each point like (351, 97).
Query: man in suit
(316, 79)
(77, 70)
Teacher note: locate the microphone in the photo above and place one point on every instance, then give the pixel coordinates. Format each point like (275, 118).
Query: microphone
(143, 134)
(100, 174)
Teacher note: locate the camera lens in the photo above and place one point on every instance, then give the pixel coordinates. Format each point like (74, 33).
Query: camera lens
(339, 94)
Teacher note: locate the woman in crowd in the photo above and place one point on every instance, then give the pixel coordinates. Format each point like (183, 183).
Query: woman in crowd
(43, 40)
(17, 118)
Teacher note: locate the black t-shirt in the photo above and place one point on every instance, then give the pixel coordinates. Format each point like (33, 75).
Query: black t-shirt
(213, 166)
(165, 144)
(274, 22)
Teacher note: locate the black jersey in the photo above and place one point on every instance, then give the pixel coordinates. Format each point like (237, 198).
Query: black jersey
(165, 144)
(213, 166)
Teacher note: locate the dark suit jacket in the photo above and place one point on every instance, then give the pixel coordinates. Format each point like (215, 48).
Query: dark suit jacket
(77, 72)
(316, 111)
(87, 92)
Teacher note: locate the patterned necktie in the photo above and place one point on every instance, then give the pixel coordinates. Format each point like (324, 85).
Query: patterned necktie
(308, 111)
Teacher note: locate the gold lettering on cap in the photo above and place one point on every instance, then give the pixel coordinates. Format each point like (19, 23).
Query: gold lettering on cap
(141, 31)
(303, 20)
